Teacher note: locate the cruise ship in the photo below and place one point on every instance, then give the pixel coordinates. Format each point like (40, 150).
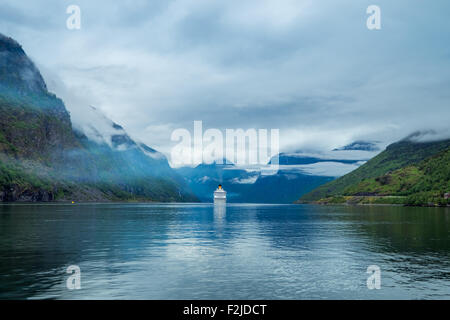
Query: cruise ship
(220, 195)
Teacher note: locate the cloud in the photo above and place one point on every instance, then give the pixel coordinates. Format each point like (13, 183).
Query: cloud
(249, 180)
(308, 68)
(326, 169)
(429, 135)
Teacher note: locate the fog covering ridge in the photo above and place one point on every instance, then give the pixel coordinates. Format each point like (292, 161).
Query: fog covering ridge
(43, 157)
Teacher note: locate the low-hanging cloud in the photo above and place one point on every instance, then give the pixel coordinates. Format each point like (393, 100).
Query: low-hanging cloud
(310, 68)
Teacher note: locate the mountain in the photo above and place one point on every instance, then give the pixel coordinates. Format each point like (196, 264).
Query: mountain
(283, 187)
(204, 179)
(43, 158)
(34, 122)
(299, 159)
(298, 174)
(360, 145)
(128, 166)
(407, 172)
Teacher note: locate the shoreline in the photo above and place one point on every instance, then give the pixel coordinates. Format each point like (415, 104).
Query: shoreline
(373, 204)
(210, 203)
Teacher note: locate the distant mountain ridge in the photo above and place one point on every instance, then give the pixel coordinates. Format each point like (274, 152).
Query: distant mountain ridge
(289, 159)
(204, 178)
(360, 145)
(43, 158)
(284, 186)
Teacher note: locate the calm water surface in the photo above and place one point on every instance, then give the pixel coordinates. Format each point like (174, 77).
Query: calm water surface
(193, 251)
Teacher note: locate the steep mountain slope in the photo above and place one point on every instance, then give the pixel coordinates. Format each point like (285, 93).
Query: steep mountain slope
(42, 158)
(425, 183)
(132, 167)
(34, 122)
(406, 172)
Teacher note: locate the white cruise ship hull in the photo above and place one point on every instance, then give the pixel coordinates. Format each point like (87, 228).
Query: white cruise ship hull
(220, 196)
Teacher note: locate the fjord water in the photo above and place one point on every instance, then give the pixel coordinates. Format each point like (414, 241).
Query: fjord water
(193, 251)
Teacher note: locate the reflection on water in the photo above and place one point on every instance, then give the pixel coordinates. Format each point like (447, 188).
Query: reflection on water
(220, 211)
(201, 251)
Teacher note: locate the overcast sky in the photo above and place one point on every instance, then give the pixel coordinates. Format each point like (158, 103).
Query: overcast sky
(309, 68)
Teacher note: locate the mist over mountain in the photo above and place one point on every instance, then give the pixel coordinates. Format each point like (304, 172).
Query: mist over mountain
(360, 145)
(43, 158)
(298, 174)
(46, 155)
(17, 71)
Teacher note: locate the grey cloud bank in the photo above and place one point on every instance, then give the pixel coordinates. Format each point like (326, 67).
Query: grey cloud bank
(310, 68)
